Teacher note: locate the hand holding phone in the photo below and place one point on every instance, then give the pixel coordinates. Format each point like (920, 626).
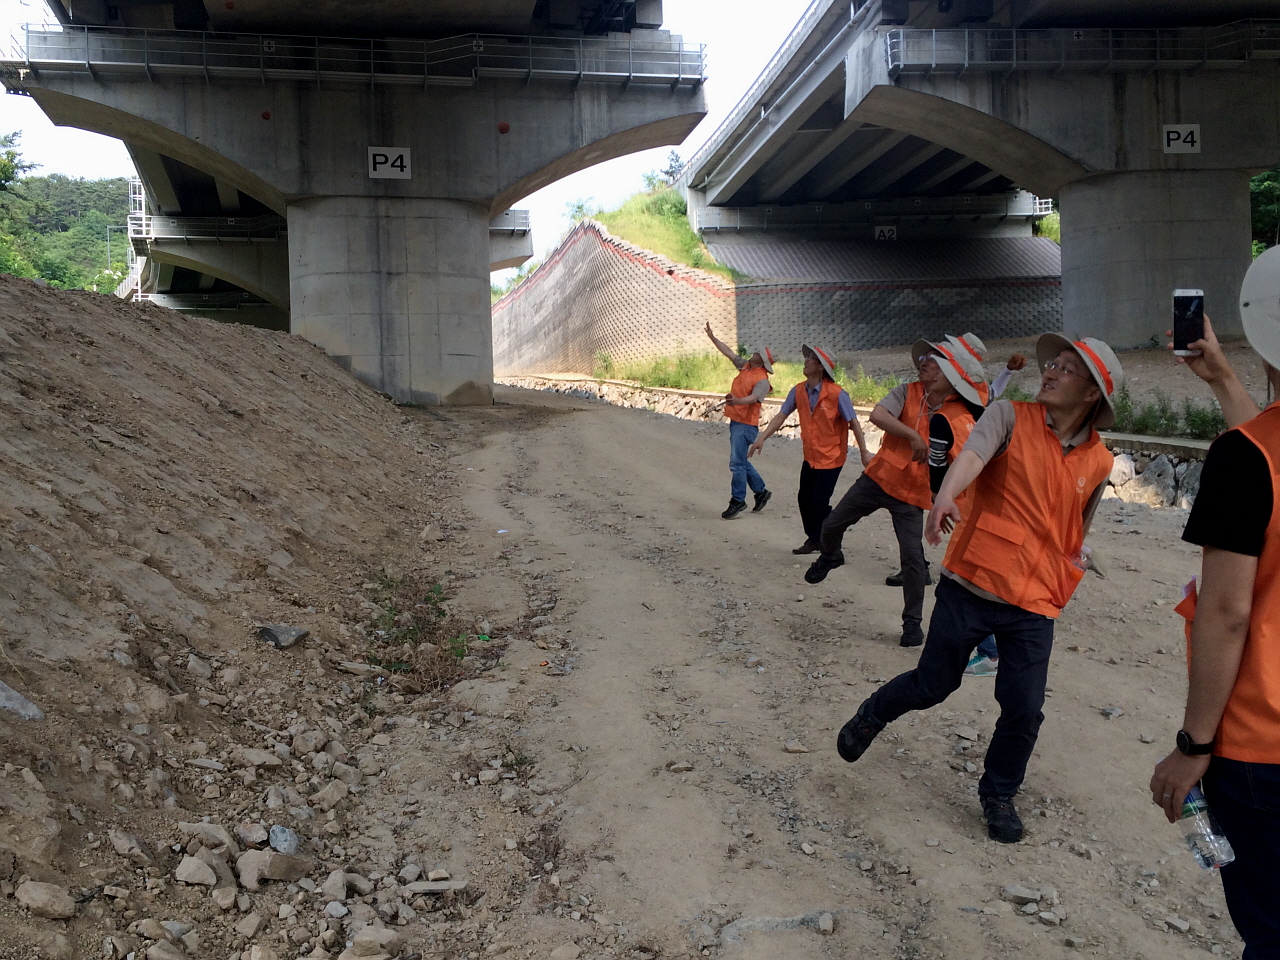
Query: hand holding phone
(1188, 321)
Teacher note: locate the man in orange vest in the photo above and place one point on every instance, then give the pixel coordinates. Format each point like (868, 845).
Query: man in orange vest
(1034, 474)
(825, 422)
(742, 408)
(898, 478)
(1230, 732)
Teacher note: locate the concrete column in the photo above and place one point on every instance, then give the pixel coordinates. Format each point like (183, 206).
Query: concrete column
(1130, 239)
(397, 291)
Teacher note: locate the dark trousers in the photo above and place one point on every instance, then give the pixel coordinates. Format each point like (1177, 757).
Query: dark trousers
(1245, 800)
(960, 620)
(814, 498)
(865, 497)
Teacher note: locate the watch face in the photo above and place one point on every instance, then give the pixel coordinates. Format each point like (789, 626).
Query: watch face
(1184, 742)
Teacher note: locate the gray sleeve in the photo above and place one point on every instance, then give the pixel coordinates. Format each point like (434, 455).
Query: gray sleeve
(895, 400)
(761, 389)
(1001, 382)
(991, 433)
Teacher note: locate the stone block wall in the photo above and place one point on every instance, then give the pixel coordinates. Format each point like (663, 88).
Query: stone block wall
(597, 294)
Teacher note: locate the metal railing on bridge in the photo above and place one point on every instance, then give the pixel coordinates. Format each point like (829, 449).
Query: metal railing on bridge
(105, 52)
(1003, 51)
(264, 229)
(999, 206)
(227, 300)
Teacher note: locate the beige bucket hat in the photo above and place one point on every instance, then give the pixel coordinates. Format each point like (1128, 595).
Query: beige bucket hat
(970, 351)
(767, 356)
(959, 378)
(824, 358)
(1102, 363)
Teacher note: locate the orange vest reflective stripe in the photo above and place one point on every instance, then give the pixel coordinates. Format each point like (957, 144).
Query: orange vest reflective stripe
(1250, 728)
(894, 470)
(824, 433)
(984, 392)
(1025, 524)
(742, 386)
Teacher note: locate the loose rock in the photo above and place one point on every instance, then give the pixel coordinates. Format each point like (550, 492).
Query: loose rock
(46, 900)
(281, 635)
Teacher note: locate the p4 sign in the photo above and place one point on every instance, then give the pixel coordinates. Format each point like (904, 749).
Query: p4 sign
(390, 163)
(1182, 138)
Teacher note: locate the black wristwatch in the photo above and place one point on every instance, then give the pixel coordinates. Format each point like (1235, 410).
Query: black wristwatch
(1190, 748)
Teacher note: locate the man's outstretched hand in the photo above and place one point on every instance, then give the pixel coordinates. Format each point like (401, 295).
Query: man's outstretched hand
(1211, 366)
(1016, 362)
(942, 520)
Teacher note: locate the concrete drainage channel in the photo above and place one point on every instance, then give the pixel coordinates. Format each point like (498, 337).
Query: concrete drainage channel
(1155, 471)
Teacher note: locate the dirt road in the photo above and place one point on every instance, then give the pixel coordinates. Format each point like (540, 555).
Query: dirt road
(694, 651)
(613, 780)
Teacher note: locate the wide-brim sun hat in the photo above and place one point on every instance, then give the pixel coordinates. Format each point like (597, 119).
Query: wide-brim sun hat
(766, 356)
(1260, 306)
(1099, 359)
(968, 357)
(824, 358)
(959, 378)
(975, 345)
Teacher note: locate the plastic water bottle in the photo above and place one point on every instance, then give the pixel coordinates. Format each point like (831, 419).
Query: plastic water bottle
(1205, 839)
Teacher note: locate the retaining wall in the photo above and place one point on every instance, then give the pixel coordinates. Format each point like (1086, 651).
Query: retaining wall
(597, 294)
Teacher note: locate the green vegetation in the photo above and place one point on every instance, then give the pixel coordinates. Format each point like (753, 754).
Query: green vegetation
(1264, 200)
(499, 290)
(710, 372)
(657, 221)
(1050, 226)
(1160, 418)
(55, 228)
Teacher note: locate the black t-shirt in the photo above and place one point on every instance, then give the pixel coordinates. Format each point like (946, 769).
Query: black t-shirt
(1233, 508)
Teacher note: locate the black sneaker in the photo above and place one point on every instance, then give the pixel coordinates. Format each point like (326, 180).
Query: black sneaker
(761, 499)
(806, 548)
(735, 507)
(822, 566)
(912, 635)
(857, 734)
(1003, 823)
(895, 579)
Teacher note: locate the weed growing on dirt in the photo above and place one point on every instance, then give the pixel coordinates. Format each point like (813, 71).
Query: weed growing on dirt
(1160, 418)
(710, 373)
(414, 637)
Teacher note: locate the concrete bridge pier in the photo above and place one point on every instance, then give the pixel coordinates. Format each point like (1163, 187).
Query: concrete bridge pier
(1130, 239)
(397, 291)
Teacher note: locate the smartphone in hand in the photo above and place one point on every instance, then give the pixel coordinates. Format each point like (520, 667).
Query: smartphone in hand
(1188, 321)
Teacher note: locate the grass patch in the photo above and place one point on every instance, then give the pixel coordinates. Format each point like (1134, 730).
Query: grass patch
(712, 373)
(413, 636)
(657, 221)
(1160, 418)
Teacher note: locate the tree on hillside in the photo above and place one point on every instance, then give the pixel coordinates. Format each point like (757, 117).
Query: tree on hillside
(582, 208)
(1264, 197)
(12, 166)
(674, 167)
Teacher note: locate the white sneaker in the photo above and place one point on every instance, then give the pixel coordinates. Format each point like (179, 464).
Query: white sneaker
(980, 666)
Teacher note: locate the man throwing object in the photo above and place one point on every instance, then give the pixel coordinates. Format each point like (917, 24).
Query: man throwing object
(1034, 473)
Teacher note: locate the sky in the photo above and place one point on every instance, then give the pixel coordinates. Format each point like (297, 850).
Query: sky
(741, 36)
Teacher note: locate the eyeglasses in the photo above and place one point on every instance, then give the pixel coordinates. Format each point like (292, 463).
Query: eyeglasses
(1057, 367)
(928, 358)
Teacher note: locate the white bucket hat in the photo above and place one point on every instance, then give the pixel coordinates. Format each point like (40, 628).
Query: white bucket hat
(955, 372)
(824, 358)
(1260, 306)
(1102, 363)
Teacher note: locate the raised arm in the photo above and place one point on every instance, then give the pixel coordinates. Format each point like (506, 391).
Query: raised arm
(724, 348)
(1214, 369)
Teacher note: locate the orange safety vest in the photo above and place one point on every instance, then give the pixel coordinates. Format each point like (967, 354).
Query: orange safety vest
(984, 392)
(1025, 523)
(1250, 728)
(894, 470)
(824, 433)
(742, 386)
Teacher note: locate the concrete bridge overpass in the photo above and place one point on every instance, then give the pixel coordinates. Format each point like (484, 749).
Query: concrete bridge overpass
(352, 166)
(1143, 119)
